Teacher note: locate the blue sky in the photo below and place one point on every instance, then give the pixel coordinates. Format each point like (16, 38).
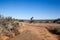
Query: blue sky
(25, 9)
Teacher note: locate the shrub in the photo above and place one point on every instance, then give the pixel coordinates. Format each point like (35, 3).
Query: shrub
(55, 31)
(7, 26)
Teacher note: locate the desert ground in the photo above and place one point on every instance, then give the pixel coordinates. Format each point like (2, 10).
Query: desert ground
(35, 31)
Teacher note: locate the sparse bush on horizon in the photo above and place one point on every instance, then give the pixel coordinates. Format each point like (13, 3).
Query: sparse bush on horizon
(57, 21)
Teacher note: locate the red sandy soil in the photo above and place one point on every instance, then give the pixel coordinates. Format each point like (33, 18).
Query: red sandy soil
(33, 32)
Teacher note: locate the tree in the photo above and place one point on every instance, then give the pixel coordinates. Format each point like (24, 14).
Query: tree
(31, 19)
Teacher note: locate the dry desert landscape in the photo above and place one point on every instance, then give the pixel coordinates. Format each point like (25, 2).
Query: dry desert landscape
(15, 29)
(31, 31)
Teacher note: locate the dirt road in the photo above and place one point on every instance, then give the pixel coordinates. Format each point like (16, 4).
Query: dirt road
(31, 32)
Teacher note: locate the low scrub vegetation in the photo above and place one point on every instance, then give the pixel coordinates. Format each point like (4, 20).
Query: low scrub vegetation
(8, 26)
(56, 30)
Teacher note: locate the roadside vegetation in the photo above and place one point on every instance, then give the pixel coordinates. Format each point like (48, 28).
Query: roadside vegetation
(8, 26)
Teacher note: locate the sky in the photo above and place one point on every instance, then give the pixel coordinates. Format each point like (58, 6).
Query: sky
(25, 9)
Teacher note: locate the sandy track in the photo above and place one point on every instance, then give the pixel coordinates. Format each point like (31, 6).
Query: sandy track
(30, 32)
